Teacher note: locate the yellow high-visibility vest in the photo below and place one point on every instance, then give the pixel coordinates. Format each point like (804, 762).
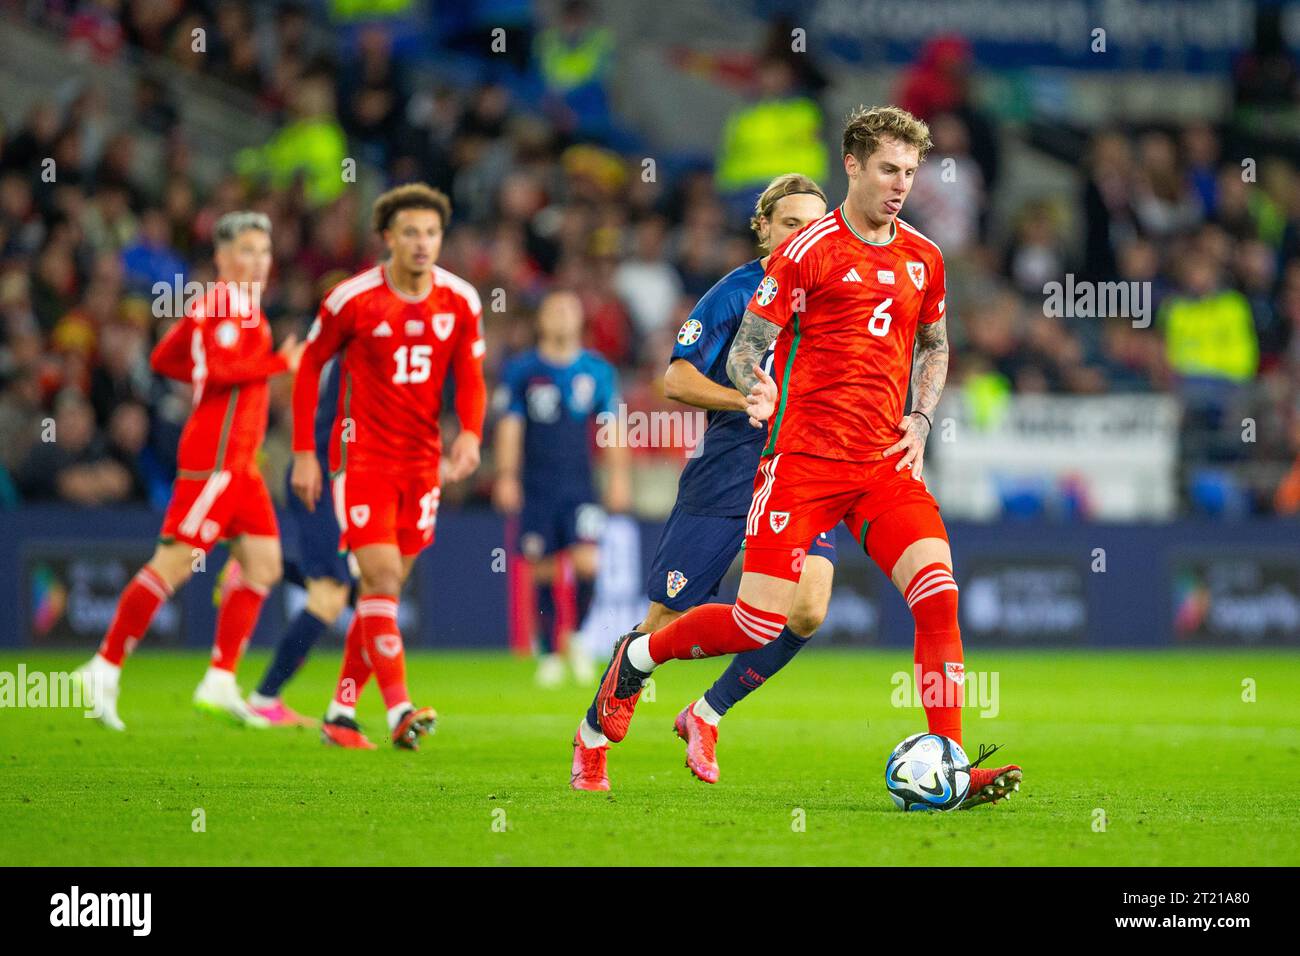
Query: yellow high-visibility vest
(1213, 336)
(769, 138)
(346, 11)
(564, 66)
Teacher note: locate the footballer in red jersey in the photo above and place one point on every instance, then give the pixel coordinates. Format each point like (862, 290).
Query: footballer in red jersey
(400, 328)
(223, 347)
(855, 303)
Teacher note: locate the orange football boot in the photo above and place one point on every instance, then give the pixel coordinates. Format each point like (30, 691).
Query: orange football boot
(588, 771)
(415, 723)
(990, 785)
(701, 743)
(344, 732)
(620, 689)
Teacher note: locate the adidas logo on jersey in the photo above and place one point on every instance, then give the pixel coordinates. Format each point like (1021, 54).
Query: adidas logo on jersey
(852, 276)
(382, 329)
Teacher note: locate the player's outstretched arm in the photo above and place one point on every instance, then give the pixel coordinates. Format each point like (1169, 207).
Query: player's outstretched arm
(683, 382)
(754, 337)
(227, 368)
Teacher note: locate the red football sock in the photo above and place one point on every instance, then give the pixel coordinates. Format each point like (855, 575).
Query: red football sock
(236, 619)
(144, 594)
(940, 672)
(711, 630)
(356, 669)
(383, 643)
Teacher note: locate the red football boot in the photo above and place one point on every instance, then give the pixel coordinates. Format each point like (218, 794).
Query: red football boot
(989, 785)
(344, 732)
(588, 766)
(701, 741)
(415, 723)
(620, 689)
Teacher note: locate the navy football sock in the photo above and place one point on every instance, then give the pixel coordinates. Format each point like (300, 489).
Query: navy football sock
(295, 644)
(749, 670)
(545, 618)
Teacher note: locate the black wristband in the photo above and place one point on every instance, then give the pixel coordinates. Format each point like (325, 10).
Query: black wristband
(917, 411)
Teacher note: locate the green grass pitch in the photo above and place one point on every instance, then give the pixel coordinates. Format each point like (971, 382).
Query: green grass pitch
(1184, 770)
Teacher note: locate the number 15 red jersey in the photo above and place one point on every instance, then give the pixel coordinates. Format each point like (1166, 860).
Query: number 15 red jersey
(848, 309)
(397, 351)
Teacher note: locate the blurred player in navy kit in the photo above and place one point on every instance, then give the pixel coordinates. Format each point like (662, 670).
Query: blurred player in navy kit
(549, 398)
(322, 569)
(706, 528)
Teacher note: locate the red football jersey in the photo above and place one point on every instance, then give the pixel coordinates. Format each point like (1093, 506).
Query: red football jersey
(848, 310)
(396, 354)
(222, 346)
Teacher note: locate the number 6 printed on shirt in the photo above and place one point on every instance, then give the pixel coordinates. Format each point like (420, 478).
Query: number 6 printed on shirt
(881, 312)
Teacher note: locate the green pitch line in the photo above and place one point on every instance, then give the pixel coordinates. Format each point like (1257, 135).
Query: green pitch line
(1160, 748)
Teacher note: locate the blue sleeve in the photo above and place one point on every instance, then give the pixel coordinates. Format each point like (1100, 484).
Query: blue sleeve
(608, 398)
(710, 327)
(509, 397)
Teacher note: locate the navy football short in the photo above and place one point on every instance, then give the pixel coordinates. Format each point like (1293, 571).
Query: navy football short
(695, 552)
(318, 535)
(550, 525)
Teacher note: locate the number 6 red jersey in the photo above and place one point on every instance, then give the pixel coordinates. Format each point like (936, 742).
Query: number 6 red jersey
(397, 350)
(848, 309)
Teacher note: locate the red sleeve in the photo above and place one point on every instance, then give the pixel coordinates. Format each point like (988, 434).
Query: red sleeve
(171, 356)
(327, 336)
(226, 367)
(216, 353)
(467, 366)
(935, 300)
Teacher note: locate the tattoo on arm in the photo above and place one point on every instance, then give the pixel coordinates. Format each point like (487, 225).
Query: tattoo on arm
(930, 368)
(754, 337)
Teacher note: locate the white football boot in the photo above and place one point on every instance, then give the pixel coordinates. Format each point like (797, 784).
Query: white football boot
(581, 663)
(550, 671)
(98, 680)
(219, 695)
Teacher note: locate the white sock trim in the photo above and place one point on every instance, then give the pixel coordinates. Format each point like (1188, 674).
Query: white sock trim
(335, 709)
(590, 736)
(706, 713)
(638, 654)
(104, 665)
(218, 676)
(395, 713)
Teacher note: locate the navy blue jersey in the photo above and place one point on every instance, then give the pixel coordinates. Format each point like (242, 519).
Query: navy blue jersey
(720, 479)
(558, 404)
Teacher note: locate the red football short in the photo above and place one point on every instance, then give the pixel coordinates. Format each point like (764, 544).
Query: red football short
(384, 508)
(224, 505)
(796, 496)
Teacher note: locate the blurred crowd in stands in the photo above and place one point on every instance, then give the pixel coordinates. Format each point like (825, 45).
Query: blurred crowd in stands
(549, 187)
